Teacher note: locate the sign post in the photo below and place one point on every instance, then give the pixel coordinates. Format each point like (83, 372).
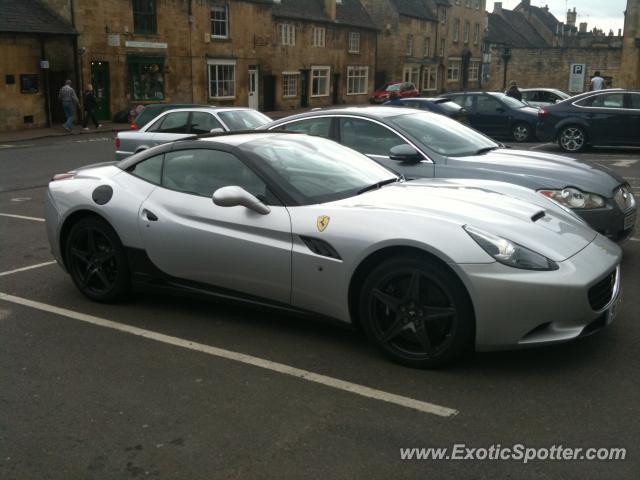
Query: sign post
(576, 77)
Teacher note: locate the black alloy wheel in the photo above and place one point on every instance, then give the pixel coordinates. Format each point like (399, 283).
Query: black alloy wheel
(417, 312)
(96, 260)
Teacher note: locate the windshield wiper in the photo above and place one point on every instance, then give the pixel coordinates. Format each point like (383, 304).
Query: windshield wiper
(378, 185)
(484, 150)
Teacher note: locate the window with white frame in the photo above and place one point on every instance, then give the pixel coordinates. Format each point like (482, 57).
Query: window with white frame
(287, 34)
(219, 21)
(426, 50)
(476, 34)
(320, 81)
(474, 70)
(357, 80)
(467, 27)
(411, 74)
(354, 42)
(409, 50)
(467, 3)
(430, 78)
(442, 45)
(477, 4)
(456, 30)
(290, 84)
(318, 36)
(443, 15)
(222, 78)
(453, 70)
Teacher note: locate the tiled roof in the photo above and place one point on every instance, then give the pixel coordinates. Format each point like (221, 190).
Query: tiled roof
(349, 12)
(31, 16)
(544, 15)
(414, 8)
(513, 28)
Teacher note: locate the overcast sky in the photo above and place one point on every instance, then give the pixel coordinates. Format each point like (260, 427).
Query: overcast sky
(604, 14)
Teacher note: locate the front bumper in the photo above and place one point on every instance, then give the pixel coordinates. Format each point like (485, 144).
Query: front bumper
(52, 222)
(519, 308)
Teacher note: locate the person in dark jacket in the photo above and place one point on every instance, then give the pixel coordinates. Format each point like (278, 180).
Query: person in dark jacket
(513, 91)
(90, 108)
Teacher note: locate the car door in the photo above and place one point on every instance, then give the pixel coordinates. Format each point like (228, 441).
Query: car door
(490, 116)
(171, 127)
(236, 249)
(205, 122)
(606, 116)
(376, 140)
(634, 118)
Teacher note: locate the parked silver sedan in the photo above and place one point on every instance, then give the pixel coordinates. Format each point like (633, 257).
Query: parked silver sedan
(427, 268)
(179, 123)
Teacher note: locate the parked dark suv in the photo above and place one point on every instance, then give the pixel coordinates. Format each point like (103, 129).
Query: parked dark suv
(604, 117)
(497, 115)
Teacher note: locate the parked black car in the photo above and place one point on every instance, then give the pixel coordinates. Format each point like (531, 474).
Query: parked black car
(497, 115)
(443, 106)
(603, 117)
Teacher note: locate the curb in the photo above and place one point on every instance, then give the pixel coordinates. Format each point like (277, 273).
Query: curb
(57, 133)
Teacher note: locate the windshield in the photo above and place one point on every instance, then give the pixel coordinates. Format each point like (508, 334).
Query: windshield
(511, 102)
(316, 170)
(243, 119)
(442, 134)
(394, 88)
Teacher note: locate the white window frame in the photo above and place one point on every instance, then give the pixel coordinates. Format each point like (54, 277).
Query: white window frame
(474, 66)
(411, 74)
(467, 3)
(426, 47)
(221, 63)
(409, 48)
(320, 68)
(426, 84)
(354, 76)
(219, 8)
(318, 37)
(443, 42)
(476, 34)
(467, 31)
(354, 42)
(287, 34)
(453, 69)
(290, 90)
(477, 4)
(456, 30)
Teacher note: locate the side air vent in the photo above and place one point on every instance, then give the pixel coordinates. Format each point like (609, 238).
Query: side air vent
(538, 216)
(320, 247)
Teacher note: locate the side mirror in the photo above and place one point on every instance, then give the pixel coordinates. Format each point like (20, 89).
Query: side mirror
(405, 153)
(216, 130)
(234, 196)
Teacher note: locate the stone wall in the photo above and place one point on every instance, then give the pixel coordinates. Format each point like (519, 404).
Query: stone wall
(630, 68)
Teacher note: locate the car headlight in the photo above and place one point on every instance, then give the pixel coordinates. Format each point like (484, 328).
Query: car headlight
(508, 252)
(573, 198)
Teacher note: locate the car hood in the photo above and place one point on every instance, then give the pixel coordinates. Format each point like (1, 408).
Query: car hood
(555, 233)
(536, 170)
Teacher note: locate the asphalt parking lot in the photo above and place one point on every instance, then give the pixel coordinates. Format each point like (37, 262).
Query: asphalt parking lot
(172, 387)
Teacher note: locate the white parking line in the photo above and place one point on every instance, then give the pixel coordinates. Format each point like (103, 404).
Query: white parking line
(343, 385)
(31, 267)
(22, 217)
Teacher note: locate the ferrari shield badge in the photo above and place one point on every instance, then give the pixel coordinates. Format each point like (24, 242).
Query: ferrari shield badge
(322, 222)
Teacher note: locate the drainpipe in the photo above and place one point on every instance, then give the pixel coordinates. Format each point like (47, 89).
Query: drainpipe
(76, 63)
(506, 55)
(191, 19)
(47, 97)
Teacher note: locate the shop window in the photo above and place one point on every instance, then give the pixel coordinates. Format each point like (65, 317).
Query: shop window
(146, 78)
(29, 83)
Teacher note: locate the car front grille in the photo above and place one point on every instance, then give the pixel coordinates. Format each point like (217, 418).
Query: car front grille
(624, 197)
(600, 294)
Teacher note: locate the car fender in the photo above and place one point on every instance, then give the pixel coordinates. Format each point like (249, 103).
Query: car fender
(572, 121)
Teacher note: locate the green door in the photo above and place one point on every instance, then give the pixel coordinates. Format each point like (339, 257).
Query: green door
(100, 82)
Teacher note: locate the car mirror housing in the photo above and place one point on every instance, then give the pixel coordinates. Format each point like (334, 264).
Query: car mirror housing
(405, 153)
(234, 196)
(216, 130)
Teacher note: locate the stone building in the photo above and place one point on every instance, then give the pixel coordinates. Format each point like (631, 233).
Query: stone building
(30, 33)
(529, 45)
(630, 68)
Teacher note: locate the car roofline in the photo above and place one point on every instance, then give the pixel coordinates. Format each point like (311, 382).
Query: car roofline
(235, 132)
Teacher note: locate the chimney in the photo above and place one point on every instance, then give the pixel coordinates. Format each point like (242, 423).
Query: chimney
(497, 7)
(571, 17)
(330, 9)
(619, 32)
(546, 8)
(526, 3)
(583, 27)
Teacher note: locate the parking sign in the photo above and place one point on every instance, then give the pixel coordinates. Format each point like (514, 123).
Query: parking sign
(576, 77)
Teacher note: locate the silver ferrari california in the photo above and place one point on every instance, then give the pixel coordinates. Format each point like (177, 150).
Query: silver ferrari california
(427, 268)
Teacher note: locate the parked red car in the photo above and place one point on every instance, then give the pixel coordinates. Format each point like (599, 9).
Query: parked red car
(404, 89)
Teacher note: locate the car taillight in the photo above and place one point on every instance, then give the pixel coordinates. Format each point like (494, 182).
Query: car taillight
(117, 142)
(543, 112)
(134, 126)
(63, 176)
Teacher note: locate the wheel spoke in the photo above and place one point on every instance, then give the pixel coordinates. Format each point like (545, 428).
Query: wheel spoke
(413, 292)
(433, 313)
(387, 300)
(91, 241)
(423, 337)
(394, 330)
(102, 277)
(80, 254)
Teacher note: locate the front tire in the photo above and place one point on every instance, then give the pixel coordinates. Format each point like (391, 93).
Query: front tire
(96, 260)
(417, 312)
(521, 132)
(572, 139)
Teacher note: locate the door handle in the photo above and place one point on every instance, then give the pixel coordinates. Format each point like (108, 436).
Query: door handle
(149, 215)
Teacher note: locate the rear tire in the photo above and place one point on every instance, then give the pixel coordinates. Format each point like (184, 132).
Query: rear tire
(572, 139)
(97, 261)
(417, 312)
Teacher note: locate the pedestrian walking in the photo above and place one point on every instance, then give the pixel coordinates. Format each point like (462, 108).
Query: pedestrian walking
(69, 101)
(597, 82)
(514, 91)
(90, 108)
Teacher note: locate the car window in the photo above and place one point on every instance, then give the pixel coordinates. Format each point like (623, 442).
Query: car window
(149, 169)
(320, 127)
(394, 88)
(635, 100)
(465, 101)
(606, 100)
(487, 105)
(511, 102)
(450, 107)
(243, 119)
(203, 171)
(367, 137)
(203, 122)
(155, 126)
(175, 122)
(529, 96)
